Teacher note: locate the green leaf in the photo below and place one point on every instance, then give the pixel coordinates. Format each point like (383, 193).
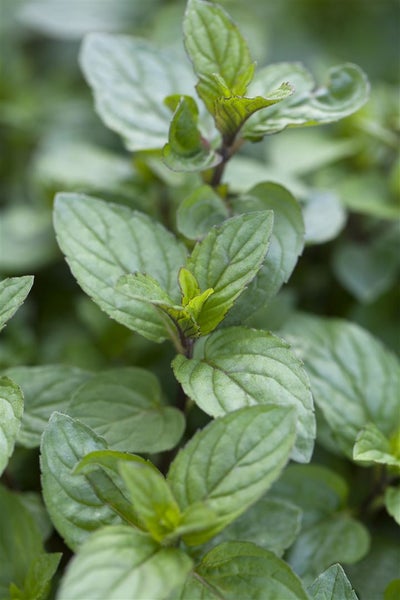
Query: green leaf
(152, 498)
(354, 379)
(392, 590)
(11, 409)
(187, 150)
(141, 286)
(13, 292)
(77, 504)
(118, 562)
(240, 367)
(102, 242)
(21, 551)
(373, 447)
(231, 463)
(216, 47)
(347, 90)
(287, 242)
(200, 211)
(392, 502)
(227, 260)
(37, 582)
(328, 533)
(332, 584)
(130, 79)
(125, 407)
(271, 523)
(324, 216)
(46, 389)
(243, 570)
(231, 112)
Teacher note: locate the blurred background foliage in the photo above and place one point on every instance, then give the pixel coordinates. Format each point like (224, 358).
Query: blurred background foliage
(347, 175)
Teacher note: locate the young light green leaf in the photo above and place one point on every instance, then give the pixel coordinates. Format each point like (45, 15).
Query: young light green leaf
(200, 211)
(13, 292)
(109, 460)
(373, 447)
(216, 47)
(332, 584)
(21, 549)
(125, 407)
(38, 578)
(227, 260)
(11, 410)
(102, 242)
(287, 242)
(392, 502)
(186, 149)
(347, 91)
(77, 504)
(239, 367)
(141, 286)
(242, 570)
(130, 79)
(46, 389)
(271, 523)
(231, 463)
(119, 562)
(354, 379)
(231, 112)
(152, 498)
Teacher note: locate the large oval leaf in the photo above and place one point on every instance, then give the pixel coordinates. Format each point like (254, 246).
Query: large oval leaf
(13, 292)
(130, 79)
(242, 367)
(102, 242)
(125, 407)
(11, 409)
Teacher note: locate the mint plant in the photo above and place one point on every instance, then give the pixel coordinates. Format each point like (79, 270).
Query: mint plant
(179, 479)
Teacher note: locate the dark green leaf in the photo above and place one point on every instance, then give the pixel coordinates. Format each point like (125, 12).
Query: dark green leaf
(239, 367)
(243, 570)
(130, 79)
(231, 463)
(227, 260)
(46, 389)
(37, 582)
(102, 242)
(125, 407)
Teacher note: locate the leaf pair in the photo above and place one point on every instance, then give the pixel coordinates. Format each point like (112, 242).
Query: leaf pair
(104, 242)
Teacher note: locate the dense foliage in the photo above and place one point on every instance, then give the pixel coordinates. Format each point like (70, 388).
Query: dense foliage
(213, 411)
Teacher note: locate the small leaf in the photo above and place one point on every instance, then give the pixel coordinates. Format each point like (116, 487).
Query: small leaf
(231, 463)
(46, 389)
(130, 79)
(243, 570)
(119, 562)
(373, 447)
(186, 149)
(392, 502)
(231, 112)
(332, 584)
(152, 498)
(287, 242)
(347, 91)
(38, 578)
(102, 242)
(240, 367)
(354, 379)
(189, 286)
(77, 504)
(11, 410)
(227, 260)
(13, 292)
(200, 211)
(125, 407)
(216, 46)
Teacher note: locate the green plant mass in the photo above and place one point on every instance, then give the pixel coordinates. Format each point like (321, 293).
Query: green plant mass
(199, 385)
